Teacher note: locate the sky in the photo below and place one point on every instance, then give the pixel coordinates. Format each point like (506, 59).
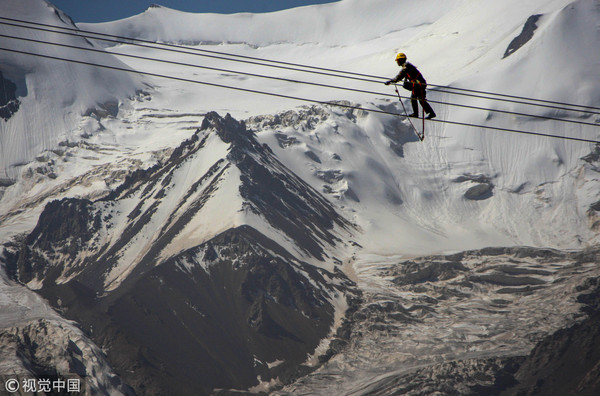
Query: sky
(110, 10)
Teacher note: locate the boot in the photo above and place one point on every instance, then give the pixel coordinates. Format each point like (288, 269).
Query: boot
(427, 108)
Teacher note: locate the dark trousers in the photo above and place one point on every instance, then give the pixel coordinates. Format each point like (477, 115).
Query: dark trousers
(418, 95)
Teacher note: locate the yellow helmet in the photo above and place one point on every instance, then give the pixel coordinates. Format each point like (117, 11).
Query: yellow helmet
(401, 55)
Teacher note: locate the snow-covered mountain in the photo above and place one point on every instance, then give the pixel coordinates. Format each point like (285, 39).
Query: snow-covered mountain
(153, 242)
(262, 243)
(53, 95)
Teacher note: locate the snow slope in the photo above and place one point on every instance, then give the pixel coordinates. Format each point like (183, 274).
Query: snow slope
(53, 94)
(346, 22)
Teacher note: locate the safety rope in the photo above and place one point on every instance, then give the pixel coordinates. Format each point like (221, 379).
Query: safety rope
(421, 137)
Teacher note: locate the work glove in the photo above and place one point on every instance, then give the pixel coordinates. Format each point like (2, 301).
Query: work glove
(389, 82)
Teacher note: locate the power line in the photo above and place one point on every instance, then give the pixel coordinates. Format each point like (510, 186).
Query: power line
(191, 65)
(292, 80)
(547, 106)
(184, 50)
(253, 91)
(520, 97)
(193, 49)
(358, 76)
(199, 51)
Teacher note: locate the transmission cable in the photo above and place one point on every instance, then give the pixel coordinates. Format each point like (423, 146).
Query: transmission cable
(547, 106)
(193, 49)
(183, 49)
(329, 103)
(518, 97)
(198, 51)
(101, 51)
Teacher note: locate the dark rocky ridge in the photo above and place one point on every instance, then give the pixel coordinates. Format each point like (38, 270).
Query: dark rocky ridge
(183, 329)
(9, 104)
(526, 34)
(214, 315)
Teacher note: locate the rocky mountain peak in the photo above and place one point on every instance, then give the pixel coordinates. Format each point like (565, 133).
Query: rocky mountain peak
(221, 235)
(229, 129)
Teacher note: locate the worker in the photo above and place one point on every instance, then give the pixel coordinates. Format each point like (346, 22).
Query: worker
(414, 82)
